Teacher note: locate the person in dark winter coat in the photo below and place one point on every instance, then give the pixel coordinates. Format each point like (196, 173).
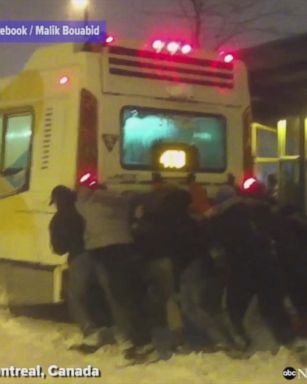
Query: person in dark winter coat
(289, 232)
(67, 236)
(67, 225)
(252, 267)
(163, 231)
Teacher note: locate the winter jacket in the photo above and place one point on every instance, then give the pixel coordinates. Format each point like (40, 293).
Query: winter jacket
(199, 197)
(66, 232)
(106, 215)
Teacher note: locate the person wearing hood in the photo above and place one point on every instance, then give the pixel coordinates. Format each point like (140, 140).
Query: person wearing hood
(66, 231)
(243, 228)
(67, 225)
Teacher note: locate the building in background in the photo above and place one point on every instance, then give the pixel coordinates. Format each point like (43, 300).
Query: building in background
(278, 85)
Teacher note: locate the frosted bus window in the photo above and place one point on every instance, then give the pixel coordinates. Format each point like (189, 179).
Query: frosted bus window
(143, 128)
(15, 153)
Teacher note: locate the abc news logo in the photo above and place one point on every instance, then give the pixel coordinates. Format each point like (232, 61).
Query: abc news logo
(290, 373)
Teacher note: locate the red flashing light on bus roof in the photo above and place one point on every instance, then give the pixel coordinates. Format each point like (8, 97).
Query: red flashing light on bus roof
(186, 48)
(173, 47)
(228, 58)
(63, 80)
(158, 45)
(109, 39)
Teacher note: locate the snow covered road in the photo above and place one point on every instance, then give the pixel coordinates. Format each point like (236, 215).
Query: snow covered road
(27, 343)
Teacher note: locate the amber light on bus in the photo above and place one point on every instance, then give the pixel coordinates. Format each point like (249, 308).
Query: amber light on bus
(63, 80)
(172, 158)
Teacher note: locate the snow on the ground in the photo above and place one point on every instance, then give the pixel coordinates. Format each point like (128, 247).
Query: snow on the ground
(26, 343)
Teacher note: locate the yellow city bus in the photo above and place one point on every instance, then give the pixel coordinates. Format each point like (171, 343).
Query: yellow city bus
(114, 113)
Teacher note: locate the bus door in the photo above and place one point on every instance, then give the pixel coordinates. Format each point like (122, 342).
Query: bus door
(276, 151)
(265, 151)
(289, 164)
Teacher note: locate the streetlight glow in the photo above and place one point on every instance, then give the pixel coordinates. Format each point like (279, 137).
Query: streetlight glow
(80, 4)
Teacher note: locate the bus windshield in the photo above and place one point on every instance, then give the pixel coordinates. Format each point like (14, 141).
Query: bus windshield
(143, 128)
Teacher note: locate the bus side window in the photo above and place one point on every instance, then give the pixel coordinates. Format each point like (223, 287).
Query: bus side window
(15, 147)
